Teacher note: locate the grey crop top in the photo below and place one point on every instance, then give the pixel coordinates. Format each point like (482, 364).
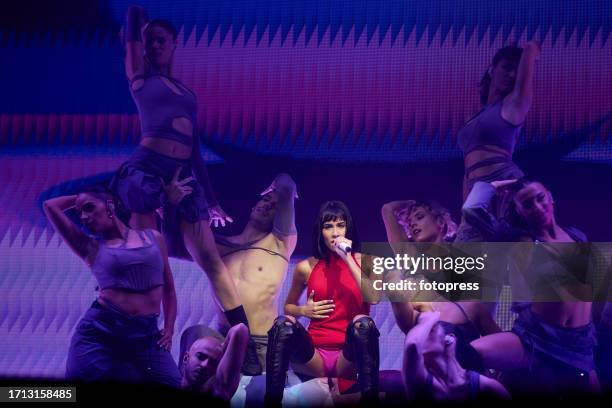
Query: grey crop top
(488, 127)
(158, 106)
(133, 269)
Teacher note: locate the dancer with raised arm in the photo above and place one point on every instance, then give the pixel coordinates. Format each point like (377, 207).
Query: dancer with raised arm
(211, 366)
(257, 260)
(118, 338)
(169, 149)
(424, 222)
(488, 139)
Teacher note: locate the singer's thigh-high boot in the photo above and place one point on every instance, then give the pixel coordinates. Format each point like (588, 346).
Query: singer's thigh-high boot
(361, 348)
(288, 341)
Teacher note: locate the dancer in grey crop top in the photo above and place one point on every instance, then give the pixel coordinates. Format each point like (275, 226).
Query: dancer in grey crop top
(135, 281)
(167, 110)
(489, 128)
(168, 162)
(137, 269)
(506, 92)
(158, 105)
(488, 139)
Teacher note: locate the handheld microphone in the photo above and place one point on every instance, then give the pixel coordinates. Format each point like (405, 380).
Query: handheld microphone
(344, 247)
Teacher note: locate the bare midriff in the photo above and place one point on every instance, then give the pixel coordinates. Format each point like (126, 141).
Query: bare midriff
(167, 147)
(258, 277)
(563, 314)
(134, 304)
(478, 155)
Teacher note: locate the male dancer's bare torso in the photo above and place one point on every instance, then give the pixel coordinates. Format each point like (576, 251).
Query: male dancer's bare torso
(258, 270)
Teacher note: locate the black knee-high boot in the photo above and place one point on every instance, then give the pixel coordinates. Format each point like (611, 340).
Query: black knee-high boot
(361, 348)
(287, 341)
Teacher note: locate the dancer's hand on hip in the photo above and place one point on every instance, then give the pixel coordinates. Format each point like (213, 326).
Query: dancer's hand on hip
(165, 341)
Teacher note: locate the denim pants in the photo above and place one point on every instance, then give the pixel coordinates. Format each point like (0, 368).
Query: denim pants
(109, 345)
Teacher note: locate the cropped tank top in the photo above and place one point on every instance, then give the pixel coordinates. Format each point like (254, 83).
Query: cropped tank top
(465, 332)
(158, 106)
(488, 127)
(131, 269)
(333, 280)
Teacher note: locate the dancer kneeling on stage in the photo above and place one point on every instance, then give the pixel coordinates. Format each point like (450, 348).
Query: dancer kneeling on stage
(431, 370)
(118, 338)
(341, 340)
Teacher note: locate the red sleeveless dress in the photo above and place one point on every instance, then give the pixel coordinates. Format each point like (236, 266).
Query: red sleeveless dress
(334, 280)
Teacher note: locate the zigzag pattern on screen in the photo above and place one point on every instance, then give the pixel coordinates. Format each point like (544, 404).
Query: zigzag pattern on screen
(346, 92)
(266, 19)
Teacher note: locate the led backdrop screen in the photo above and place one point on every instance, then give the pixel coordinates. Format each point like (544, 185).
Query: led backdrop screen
(358, 100)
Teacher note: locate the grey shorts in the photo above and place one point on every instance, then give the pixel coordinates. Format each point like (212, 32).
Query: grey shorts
(261, 346)
(137, 184)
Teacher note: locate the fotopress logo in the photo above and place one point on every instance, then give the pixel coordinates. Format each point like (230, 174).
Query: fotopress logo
(424, 263)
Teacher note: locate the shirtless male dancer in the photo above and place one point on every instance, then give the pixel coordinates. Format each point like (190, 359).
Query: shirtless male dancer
(257, 260)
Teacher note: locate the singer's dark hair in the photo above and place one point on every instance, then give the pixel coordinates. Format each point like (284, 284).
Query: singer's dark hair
(333, 211)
